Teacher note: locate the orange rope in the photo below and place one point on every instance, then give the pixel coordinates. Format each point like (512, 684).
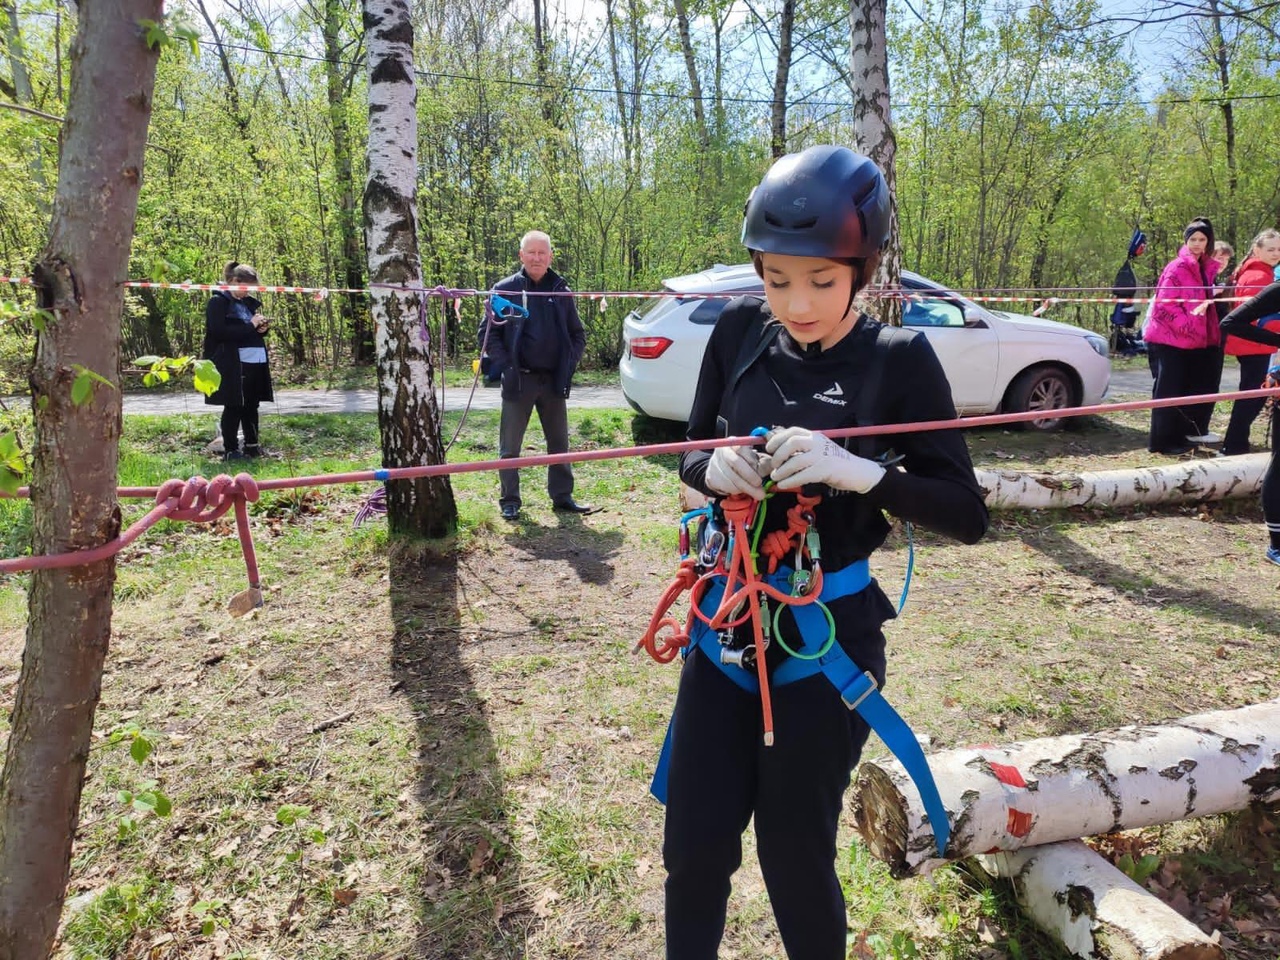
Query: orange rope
(664, 638)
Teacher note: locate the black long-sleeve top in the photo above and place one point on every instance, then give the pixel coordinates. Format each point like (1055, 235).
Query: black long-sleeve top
(1242, 321)
(791, 385)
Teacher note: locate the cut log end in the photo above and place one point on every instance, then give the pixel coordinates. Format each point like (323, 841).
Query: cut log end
(879, 815)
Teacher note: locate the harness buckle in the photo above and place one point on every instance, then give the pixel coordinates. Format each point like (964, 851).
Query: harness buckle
(859, 690)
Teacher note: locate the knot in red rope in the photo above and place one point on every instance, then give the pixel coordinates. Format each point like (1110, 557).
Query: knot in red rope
(203, 501)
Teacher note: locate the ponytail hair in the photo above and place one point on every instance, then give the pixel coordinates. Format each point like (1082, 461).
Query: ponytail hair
(239, 273)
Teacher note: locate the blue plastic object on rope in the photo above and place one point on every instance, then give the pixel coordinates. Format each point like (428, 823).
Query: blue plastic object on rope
(503, 307)
(383, 475)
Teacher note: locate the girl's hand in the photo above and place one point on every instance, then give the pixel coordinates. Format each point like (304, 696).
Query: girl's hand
(733, 470)
(801, 456)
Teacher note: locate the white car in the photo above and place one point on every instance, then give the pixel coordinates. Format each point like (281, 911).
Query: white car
(995, 361)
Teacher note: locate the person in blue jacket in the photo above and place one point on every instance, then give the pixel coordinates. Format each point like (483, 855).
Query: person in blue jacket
(536, 354)
(814, 227)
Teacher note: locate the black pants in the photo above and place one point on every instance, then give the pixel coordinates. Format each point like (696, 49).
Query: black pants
(721, 774)
(537, 392)
(245, 417)
(1181, 373)
(1271, 485)
(1253, 370)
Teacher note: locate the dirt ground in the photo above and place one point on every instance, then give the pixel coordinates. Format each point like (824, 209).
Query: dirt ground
(471, 736)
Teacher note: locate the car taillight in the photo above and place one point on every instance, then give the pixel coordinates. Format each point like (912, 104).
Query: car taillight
(649, 348)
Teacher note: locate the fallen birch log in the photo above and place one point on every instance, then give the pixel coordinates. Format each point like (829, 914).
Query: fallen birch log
(1093, 909)
(1064, 788)
(1196, 480)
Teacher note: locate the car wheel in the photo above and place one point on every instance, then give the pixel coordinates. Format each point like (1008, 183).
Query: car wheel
(1042, 388)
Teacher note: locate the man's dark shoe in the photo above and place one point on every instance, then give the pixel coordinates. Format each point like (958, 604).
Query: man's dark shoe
(510, 511)
(572, 506)
(252, 450)
(233, 455)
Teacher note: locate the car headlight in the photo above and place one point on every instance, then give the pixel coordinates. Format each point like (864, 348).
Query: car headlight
(1099, 345)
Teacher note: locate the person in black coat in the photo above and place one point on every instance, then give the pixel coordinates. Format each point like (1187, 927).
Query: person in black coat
(234, 339)
(804, 361)
(1258, 320)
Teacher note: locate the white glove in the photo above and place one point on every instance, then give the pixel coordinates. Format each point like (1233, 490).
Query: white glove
(801, 456)
(733, 470)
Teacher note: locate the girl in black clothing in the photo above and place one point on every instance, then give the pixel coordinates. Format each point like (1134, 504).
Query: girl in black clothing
(1258, 320)
(234, 332)
(814, 227)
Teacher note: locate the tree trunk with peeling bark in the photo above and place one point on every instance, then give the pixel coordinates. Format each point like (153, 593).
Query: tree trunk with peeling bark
(408, 416)
(73, 484)
(873, 133)
(1093, 909)
(1064, 788)
(1198, 480)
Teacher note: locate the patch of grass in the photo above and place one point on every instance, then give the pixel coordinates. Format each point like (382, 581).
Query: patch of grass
(577, 866)
(103, 929)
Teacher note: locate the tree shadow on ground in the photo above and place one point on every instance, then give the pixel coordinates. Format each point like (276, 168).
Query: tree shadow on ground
(1136, 584)
(587, 550)
(1092, 436)
(469, 889)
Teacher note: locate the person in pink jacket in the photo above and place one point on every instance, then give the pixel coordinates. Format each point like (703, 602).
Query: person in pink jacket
(1255, 274)
(1183, 343)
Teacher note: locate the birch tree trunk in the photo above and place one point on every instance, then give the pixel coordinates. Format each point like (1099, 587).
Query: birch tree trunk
(1064, 788)
(781, 73)
(73, 484)
(1196, 480)
(873, 131)
(1094, 910)
(408, 416)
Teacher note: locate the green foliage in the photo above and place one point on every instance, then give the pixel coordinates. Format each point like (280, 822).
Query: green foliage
(211, 914)
(13, 463)
(170, 32)
(1138, 870)
(146, 798)
(204, 374)
(84, 383)
(103, 929)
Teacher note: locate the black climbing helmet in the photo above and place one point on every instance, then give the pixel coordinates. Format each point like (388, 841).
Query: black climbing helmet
(823, 202)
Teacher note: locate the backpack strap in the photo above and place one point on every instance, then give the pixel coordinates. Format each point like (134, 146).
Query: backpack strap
(755, 342)
(866, 413)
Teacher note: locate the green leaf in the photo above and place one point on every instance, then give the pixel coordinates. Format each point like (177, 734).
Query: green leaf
(189, 34)
(164, 806)
(141, 748)
(8, 445)
(316, 835)
(147, 361)
(81, 388)
(293, 857)
(9, 481)
(207, 928)
(291, 813)
(206, 376)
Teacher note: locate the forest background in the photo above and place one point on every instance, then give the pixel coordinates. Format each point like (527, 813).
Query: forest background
(1030, 143)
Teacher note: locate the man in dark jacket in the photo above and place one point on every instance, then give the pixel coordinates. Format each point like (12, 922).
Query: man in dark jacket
(537, 355)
